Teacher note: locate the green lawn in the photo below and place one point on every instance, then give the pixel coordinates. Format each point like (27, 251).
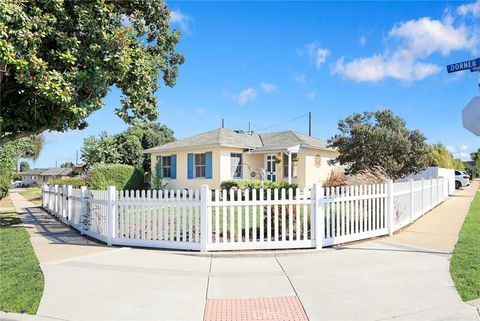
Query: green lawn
(465, 263)
(33, 194)
(21, 279)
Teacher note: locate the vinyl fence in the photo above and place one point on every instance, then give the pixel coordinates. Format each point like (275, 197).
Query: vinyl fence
(211, 220)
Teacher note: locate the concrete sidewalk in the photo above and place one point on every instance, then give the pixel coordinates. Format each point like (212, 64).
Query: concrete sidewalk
(405, 277)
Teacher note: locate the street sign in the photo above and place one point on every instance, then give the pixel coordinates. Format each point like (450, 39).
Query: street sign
(475, 69)
(471, 116)
(464, 65)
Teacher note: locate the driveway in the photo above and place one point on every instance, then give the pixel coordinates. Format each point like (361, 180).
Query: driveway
(402, 278)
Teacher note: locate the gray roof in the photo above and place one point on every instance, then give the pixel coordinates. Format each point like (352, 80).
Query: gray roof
(54, 171)
(57, 171)
(35, 171)
(238, 138)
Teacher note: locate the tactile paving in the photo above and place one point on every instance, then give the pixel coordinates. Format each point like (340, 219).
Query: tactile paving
(255, 309)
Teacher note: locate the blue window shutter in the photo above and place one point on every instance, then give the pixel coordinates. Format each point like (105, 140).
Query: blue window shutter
(208, 163)
(190, 165)
(159, 167)
(174, 166)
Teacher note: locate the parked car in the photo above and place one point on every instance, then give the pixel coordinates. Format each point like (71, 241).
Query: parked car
(17, 184)
(461, 179)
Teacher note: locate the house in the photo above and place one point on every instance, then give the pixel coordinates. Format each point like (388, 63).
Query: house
(32, 176)
(39, 176)
(225, 154)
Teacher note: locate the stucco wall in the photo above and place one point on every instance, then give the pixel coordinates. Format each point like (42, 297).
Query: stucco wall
(307, 173)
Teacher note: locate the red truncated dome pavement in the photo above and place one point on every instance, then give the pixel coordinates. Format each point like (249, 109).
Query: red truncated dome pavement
(259, 309)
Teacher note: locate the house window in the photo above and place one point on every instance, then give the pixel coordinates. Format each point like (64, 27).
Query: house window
(236, 162)
(294, 165)
(166, 166)
(200, 166)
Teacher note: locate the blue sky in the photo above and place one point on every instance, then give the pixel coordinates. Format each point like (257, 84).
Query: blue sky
(271, 62)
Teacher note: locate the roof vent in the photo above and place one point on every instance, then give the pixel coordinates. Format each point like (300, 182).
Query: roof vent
(239, 131)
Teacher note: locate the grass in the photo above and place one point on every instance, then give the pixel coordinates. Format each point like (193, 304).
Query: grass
(33, 194)
(465, 263)
(21, 279)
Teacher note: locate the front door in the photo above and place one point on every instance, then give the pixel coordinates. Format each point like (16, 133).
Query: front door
(271, 168)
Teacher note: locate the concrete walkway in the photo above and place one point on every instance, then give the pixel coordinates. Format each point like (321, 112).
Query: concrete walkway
(405, 277)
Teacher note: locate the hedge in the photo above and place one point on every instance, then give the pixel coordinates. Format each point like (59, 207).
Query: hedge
(4, 186)
(76, 182)
(257, 184)
(123, 177)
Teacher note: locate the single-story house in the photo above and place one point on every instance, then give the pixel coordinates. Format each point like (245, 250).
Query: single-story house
(44, 175)
(225, 154)
(32, 176)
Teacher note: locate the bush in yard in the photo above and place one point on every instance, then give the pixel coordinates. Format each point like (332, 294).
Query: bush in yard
(76, 182)
(4, 186)
(335, 179)
(123, 177)
(257, 184)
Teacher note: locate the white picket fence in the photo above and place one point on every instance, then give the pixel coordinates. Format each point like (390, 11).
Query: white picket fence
(211, 220)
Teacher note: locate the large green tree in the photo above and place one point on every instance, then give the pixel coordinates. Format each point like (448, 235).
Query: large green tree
(441, 157)
(126, 147)
(379, 138)
(58, 59)
(24, 166)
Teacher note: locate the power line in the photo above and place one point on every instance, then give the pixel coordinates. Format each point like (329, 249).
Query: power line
(286, 122)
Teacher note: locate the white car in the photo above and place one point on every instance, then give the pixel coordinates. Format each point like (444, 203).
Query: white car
(461, 179)
(17, 184)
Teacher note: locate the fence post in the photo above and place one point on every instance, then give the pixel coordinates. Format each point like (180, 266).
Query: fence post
(423, 197)
(111, 214)
(64, 203)
(318, 202)
(83, 207)
(55, 201)
(69, 203)
(411, 199)
(204, 218)
(43, 195)
(390, 212)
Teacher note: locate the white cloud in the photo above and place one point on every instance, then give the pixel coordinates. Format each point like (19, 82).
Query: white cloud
(245, 96)
(413, 42)
(362, 41)
(181, 19)
(317, 55)
(311, 95)
(300, 79)
(268, 88)
(460, 153)
(472, 8)
(200, 111)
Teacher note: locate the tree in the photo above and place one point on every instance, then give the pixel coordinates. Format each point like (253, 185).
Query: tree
(379, 139)
(24, 166)
(441, 157)
(458, 164)
(66, 165)
(126, 147)
(101, 150)
(28, 147)
(58, 60)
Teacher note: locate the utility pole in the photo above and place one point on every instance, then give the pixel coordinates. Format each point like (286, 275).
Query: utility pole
(309, 123)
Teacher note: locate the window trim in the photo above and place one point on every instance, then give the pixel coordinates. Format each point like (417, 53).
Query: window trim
(204, 165)
(162, 166)
(285, 166)
(241, 166)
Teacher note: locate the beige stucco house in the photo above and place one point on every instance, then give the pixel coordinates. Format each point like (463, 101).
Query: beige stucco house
(225, 154)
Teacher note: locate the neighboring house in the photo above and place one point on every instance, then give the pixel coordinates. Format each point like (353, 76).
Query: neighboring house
(32, 176)
(44, 175)
(55, 173)
(225, 154)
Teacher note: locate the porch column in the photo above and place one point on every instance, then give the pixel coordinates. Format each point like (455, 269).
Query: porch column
(289, 167)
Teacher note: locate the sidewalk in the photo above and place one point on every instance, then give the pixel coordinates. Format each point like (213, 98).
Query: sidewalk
(405, 277)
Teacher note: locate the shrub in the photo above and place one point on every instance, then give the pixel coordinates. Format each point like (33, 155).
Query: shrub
(16, 177)
(123, 177)
(4, 186)
(374, 175)
(335, 179)
(257, 184)
(76, 182)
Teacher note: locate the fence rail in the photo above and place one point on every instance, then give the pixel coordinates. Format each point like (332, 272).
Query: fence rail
(210, 220)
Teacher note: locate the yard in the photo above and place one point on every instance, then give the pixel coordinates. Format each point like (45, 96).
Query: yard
(33, 194)
(465, 263)
(21, 279)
